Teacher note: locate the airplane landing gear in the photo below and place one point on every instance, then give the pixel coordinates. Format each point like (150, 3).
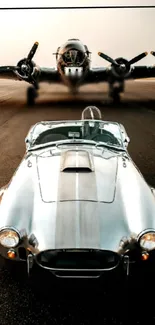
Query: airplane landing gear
(115, 95)
(74, 91)
(115, 91)
(31, 95)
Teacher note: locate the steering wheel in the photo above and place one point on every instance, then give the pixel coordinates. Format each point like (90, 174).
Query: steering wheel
(48, 136)
(105, 138)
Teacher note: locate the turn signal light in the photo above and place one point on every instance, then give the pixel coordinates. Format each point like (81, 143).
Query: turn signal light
(11, 254)
(145, 256)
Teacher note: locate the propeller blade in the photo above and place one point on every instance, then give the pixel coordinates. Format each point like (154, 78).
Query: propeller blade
(138, 58)
(153, 53)
(32, 52)
(108, 58)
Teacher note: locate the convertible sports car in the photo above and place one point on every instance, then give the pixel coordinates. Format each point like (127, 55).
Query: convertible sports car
(77, 206)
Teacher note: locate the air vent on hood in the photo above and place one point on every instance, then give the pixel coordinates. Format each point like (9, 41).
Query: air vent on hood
(76, 161)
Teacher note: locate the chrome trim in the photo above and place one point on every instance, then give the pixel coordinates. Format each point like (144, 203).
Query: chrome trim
(146, 231)
(10, 228)
(30, 260)
(77, 276)
(127, 264)
(77, 270)
(81, 268)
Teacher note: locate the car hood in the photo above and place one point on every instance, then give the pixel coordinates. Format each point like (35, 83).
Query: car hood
(69, 198)
(77, 175)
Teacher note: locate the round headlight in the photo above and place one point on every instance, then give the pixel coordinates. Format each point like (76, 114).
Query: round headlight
(9, 238)
(147, 241)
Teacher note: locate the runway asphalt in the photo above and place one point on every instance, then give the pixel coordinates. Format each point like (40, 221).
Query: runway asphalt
(19, 305)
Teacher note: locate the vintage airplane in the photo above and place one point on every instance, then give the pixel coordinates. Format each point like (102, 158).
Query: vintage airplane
(73, 69)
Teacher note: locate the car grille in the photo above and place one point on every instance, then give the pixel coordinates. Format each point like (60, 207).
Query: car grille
(79, 260)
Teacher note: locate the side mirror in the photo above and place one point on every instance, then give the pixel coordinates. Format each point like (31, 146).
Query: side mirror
(27, 143)
(126, 141)
(153, 190)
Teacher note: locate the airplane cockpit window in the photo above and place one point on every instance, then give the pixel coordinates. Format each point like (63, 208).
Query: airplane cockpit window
(74, 57)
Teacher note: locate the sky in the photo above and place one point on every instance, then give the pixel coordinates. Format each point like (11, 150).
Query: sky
(116, 32)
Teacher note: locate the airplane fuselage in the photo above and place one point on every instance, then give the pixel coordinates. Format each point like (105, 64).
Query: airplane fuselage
(73, 62)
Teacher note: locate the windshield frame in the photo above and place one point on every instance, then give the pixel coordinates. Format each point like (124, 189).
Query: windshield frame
(31, 139)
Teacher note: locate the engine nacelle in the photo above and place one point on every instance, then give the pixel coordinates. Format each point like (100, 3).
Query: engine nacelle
(27, 71)
(123, 70)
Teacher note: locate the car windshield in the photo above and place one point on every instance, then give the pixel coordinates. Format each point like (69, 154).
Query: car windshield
(80, 130)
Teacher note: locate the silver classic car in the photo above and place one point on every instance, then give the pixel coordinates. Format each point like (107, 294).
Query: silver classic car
(77, 206)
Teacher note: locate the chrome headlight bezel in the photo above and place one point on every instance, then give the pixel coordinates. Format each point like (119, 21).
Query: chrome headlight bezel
(146, 236)
(9, 231)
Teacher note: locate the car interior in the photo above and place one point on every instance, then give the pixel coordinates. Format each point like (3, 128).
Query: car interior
(75, 131)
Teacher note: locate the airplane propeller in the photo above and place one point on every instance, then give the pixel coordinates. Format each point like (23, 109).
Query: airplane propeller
(153, 53)
(32, 52)
(108, 58)
(25, 67)
(121, 65)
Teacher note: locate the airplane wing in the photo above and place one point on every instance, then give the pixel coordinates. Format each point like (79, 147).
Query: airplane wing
(109, 74)
(139, 72)
(96, 75)
(49, 74)
(119, 70)
(28, 71)
(8, 72)
(38, 74)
